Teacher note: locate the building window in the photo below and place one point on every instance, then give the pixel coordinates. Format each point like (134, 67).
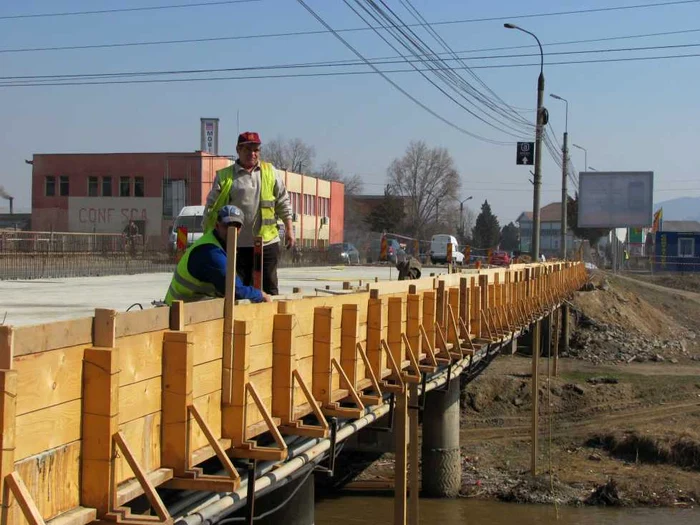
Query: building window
(93, 187)
(686, 247)
(173, 197)
(106, 186)
(50, 186)
(138, 187)
(124, 187)
(63, 188)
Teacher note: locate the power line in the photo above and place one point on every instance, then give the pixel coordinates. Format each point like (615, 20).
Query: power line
(340, 73)
(126, 9)
(334, 63)
(396, 86)
(319, 32)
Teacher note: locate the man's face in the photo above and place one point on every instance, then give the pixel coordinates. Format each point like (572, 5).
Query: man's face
(222, 229)
(248, 155)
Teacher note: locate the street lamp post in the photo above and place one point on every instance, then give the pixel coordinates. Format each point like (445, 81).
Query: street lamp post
(461, 215)
(564, 171)
(537, 183)
(537, 180)
(585, 156)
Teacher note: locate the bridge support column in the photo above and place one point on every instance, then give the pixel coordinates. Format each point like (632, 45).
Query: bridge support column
(441, 472)
(564, 345)
(298, 511)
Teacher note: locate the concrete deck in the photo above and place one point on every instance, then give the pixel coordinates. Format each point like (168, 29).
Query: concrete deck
(42, 301)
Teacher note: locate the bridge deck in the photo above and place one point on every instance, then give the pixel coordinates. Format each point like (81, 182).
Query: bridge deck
(98, 411)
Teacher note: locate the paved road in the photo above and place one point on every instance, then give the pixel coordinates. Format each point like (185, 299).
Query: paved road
(40, 301)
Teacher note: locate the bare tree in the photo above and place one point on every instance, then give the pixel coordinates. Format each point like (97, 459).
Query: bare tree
(293, 155)
(428, 176)
(329, 170)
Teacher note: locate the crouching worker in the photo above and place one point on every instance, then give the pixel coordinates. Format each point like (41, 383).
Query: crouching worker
(201, 273)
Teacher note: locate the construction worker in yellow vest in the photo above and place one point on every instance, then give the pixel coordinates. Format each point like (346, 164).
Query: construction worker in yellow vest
(201, 272)
(258, 190)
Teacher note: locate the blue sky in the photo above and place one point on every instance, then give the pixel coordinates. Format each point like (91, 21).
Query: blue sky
(629, 115)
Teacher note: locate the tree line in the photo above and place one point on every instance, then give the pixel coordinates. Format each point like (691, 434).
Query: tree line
(420, 198)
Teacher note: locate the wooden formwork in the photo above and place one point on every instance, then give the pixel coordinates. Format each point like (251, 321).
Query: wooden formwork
(98, 411)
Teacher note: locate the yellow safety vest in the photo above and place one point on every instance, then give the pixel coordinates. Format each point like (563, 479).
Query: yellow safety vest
(268, 227)
(185, 287)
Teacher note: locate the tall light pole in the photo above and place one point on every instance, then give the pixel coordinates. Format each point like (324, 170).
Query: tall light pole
(537, 183)
(541, 121)
(592, 168)
(461, 219)
(585, 156)
(564, 171)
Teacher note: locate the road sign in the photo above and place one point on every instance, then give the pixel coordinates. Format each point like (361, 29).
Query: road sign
(525, 154)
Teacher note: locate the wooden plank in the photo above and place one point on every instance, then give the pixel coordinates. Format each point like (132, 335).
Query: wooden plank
(52, 479)
(206, 338)
(75, 516)
(8, 409)
(140, 357)
(429, 315)
(350, 334)
(49, 428)
(141, 321)
(7, 336)
(104, 328)
(31, 339)
(143, 436)
(395, 317)
(285, 362)
(209, 406)
(49, 378)
(440, 302)
(140, 399)
(207, 378)
(322, 370)
(178, 355)
(132, 489)
(100, 414)
(203, 311)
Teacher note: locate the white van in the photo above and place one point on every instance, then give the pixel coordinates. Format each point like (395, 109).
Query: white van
(191, 218)
(438, 249)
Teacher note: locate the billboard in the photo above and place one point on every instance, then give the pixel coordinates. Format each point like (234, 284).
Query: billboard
(210, 135)
(615, 199)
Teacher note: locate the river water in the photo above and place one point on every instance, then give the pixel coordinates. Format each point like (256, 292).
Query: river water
(351, 510)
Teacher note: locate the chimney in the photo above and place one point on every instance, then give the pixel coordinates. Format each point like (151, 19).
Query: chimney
(11, 199)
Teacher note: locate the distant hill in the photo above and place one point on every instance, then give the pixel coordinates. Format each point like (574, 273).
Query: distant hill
(681, 209)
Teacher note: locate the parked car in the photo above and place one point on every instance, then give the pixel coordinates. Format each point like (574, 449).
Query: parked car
(500, 258)
(394, 251)
(344, 253)
(191, 218)
(438, 249)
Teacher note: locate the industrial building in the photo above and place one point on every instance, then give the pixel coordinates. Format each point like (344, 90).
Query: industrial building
(102, 192)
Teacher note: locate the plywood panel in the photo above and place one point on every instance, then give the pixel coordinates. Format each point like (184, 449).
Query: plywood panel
(48, 378)
(52, 479)
(49, 428)
(140, 357)
(206, 378)
(140, 399)
(262, 381)
(143, 437)
(260, 357)
(142, 321)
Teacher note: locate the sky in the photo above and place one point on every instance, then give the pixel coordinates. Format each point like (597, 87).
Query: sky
(633, 115)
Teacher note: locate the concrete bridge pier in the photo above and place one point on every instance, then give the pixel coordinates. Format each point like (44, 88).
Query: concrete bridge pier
(441, 466)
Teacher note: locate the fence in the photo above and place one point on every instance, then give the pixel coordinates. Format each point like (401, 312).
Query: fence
(43, 255)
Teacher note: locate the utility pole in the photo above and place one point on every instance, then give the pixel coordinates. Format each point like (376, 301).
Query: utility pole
(564, 172)
(535, 253)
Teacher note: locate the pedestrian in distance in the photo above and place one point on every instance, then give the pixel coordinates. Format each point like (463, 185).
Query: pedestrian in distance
(201, 273)
(258, 190)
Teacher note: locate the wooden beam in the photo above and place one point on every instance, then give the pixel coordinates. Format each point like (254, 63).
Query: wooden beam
(14, 486)
(229, 308)
(429, 319)
(349, 338)
(375, 333)
(394, 330)
(8, 408)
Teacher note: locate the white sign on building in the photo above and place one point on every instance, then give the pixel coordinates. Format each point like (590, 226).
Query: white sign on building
(210, 135)
(112, 214)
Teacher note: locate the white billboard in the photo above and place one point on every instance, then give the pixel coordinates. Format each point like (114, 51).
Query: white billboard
(615, 199)
(210, 135)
